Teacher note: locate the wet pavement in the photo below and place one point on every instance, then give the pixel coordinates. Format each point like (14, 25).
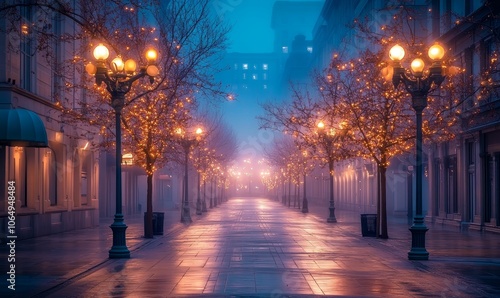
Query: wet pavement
(256, 247)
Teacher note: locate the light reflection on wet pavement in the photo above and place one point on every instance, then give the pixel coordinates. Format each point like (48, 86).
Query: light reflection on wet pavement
(257, 247)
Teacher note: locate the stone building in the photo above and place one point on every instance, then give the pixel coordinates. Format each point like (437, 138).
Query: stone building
(54, 167)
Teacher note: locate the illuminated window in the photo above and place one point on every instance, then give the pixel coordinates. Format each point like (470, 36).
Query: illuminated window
(264, 76)
(284, 49)
(254, 77)
(245, 66)
(265, 86)
(310, 49)
(84, 177)
(235, 66)
(244, 76)
(264, 66)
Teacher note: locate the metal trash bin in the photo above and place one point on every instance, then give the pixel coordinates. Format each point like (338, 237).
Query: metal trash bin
(369, 225)
(158, 218)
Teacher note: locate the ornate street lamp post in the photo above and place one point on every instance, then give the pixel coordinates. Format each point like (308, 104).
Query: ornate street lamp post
(418, 86)
(118, 77)
(187, 143)
(328, 139)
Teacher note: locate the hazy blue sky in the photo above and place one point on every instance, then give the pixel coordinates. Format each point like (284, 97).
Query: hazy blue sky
(251, 33)
(251, 24)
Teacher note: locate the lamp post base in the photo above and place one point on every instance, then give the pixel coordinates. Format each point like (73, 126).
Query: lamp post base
(186, 215)
(332, 217)
(305, 207)
(119, 249)
(418, 230)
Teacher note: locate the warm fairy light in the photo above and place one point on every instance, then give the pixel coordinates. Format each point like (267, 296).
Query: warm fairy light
(25, 29)
(321, 125)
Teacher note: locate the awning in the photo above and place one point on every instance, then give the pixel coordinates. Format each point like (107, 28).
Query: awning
(23, 128)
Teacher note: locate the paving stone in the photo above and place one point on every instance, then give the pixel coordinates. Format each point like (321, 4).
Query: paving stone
(256, 247)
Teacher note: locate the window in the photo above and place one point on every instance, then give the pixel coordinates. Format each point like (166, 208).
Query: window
(52, 177)
(452, 198)
(490, 73)
(244, 76)
(437, 186)
(264, 66)
(24, 174)
(245, 66)
(310, 49)
(26, 48)
(86, 170)
(471, 181)
(254, 77)
(235, 66)
(467, 62)
(284, 50)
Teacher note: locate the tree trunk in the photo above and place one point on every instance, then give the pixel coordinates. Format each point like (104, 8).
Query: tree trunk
(148, 229)
(289, 191)
(383, 203)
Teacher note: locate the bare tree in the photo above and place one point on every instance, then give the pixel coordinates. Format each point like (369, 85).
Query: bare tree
(188, 39)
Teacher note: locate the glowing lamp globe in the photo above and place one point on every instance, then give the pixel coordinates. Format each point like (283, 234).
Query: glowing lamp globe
(417, 65)
(91, 69)
(117, 64)
(436, 52)
(130, 66)
(151, 55)
(101, 52)
(397, 53)
(152, 70)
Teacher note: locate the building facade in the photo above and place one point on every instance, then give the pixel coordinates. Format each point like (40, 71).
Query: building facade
(56, 185)
(464, 173)
(461, 180)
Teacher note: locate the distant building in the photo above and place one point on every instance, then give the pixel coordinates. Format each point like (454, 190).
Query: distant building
(250, 74)
(292, 40)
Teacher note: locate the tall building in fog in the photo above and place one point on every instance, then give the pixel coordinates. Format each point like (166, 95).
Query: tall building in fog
(293, 23)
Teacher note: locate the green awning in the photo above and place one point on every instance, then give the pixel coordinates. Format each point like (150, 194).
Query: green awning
(23, 128)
